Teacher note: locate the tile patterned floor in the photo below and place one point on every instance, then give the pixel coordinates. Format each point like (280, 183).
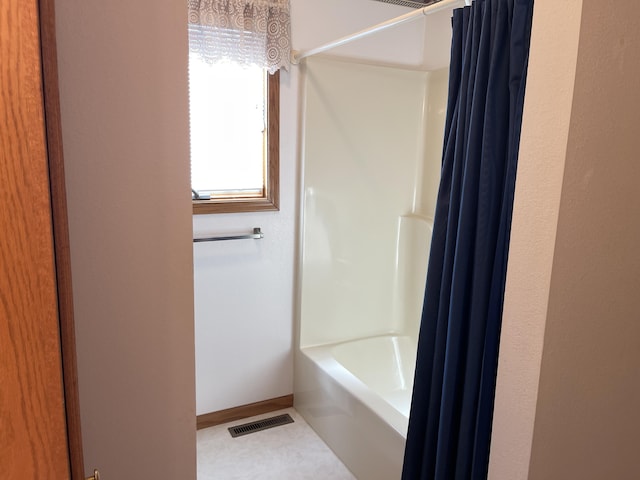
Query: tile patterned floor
(287, 452)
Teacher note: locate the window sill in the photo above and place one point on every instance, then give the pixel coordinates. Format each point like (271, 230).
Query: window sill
(203, 207)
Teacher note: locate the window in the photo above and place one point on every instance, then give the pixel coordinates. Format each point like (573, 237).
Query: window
(234, 132)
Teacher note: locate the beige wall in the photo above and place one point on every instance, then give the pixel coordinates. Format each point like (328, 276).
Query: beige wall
(124, 119)
(568, 380)
(588, 414)
(545, 129)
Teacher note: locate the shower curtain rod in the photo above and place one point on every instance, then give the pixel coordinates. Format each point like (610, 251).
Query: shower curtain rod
(296, 56)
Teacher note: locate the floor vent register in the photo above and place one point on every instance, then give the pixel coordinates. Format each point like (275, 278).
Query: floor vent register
(252, 427)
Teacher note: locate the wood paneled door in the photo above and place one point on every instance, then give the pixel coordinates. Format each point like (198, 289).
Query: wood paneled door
(39, 421)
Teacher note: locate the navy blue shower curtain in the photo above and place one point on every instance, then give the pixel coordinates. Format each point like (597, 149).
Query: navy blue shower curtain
(452, 406)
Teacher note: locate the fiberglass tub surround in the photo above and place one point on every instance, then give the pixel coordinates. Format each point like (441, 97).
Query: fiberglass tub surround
(372, 148)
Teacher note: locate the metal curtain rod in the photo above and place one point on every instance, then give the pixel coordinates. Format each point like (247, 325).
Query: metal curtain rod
(296, 56)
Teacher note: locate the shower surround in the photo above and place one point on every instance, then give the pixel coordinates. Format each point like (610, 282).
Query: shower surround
(371, 166)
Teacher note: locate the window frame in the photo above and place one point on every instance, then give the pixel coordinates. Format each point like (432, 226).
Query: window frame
(270, 201)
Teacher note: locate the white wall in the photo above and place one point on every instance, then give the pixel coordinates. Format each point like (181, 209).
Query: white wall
(123, 90)
(315, 23)
(244, 291)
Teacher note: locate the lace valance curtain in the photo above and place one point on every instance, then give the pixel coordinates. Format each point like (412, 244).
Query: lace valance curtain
(248, 32)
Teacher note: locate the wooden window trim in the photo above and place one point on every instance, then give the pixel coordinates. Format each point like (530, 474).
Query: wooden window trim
(271, 200)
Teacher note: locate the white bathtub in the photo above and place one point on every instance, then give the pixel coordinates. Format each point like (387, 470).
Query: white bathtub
(357, 396)
(383, 368)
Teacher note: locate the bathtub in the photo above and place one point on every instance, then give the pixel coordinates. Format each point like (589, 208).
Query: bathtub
(357, 396)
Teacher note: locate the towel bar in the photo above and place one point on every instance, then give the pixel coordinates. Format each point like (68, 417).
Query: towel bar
(257, 234)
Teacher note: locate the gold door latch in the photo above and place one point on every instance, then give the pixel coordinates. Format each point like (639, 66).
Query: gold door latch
(95, 476)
